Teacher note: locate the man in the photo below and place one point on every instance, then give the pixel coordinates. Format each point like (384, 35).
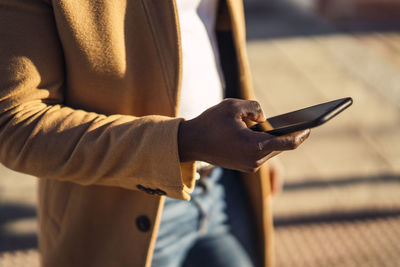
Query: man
(89, 98)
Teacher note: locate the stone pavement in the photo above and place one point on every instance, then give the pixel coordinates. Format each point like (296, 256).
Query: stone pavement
(341, 203)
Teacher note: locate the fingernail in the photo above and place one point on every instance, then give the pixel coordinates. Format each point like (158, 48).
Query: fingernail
(305, 134)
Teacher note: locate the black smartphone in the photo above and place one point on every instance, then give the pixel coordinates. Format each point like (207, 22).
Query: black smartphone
(305, 118)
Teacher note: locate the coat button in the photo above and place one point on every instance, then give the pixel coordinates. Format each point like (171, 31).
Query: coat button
(143, 223)
(151, 191)
(145, 189)
(141, 187)
(160, 192)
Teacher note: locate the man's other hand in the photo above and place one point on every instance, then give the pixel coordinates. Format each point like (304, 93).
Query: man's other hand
(221, 137)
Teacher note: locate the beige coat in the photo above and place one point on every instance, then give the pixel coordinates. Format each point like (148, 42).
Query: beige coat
(89, 92)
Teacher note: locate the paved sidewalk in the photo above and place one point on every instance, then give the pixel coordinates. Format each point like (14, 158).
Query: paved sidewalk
(341, 204)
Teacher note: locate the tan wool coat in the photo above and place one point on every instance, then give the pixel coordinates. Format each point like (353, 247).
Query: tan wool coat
(89, 91)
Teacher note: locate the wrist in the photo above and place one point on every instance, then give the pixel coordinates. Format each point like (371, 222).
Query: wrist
(186, 142)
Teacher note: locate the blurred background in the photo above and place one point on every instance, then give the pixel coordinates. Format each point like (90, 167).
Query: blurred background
(341, 201)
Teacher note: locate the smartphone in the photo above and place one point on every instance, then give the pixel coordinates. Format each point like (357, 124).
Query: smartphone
(305, 118)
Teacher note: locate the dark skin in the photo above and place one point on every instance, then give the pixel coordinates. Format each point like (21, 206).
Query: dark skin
(221, 137)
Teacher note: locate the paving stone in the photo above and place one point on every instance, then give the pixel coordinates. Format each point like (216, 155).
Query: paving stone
(379, 75)
(368, 243)
(20, 259)
(339, 196)
(277, 81)
(388, 142)
(16, 187)
(387, 45)
(344, 155)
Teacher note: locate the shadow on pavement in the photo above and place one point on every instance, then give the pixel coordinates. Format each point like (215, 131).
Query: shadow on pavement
(279, 19)
(10, 241)
(333, 217)
(317, 183)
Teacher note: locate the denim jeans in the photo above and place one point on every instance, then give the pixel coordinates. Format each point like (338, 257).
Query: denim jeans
(213, 229)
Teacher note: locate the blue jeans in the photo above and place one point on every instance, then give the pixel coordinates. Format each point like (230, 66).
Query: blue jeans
(212, 229)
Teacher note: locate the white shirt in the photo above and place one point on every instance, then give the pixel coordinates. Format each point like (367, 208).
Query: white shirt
(201, 73)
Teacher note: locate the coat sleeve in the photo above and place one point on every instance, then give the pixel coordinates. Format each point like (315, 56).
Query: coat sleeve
(41, 136)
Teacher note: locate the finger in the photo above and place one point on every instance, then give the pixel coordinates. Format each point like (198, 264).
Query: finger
(250, 109)
(286, 142)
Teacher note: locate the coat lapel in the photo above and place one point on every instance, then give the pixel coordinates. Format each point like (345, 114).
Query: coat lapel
(163, 21)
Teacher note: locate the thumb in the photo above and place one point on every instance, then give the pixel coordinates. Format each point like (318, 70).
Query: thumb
(251, 110)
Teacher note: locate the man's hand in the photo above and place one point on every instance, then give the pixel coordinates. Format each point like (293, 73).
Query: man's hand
(220, 136)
